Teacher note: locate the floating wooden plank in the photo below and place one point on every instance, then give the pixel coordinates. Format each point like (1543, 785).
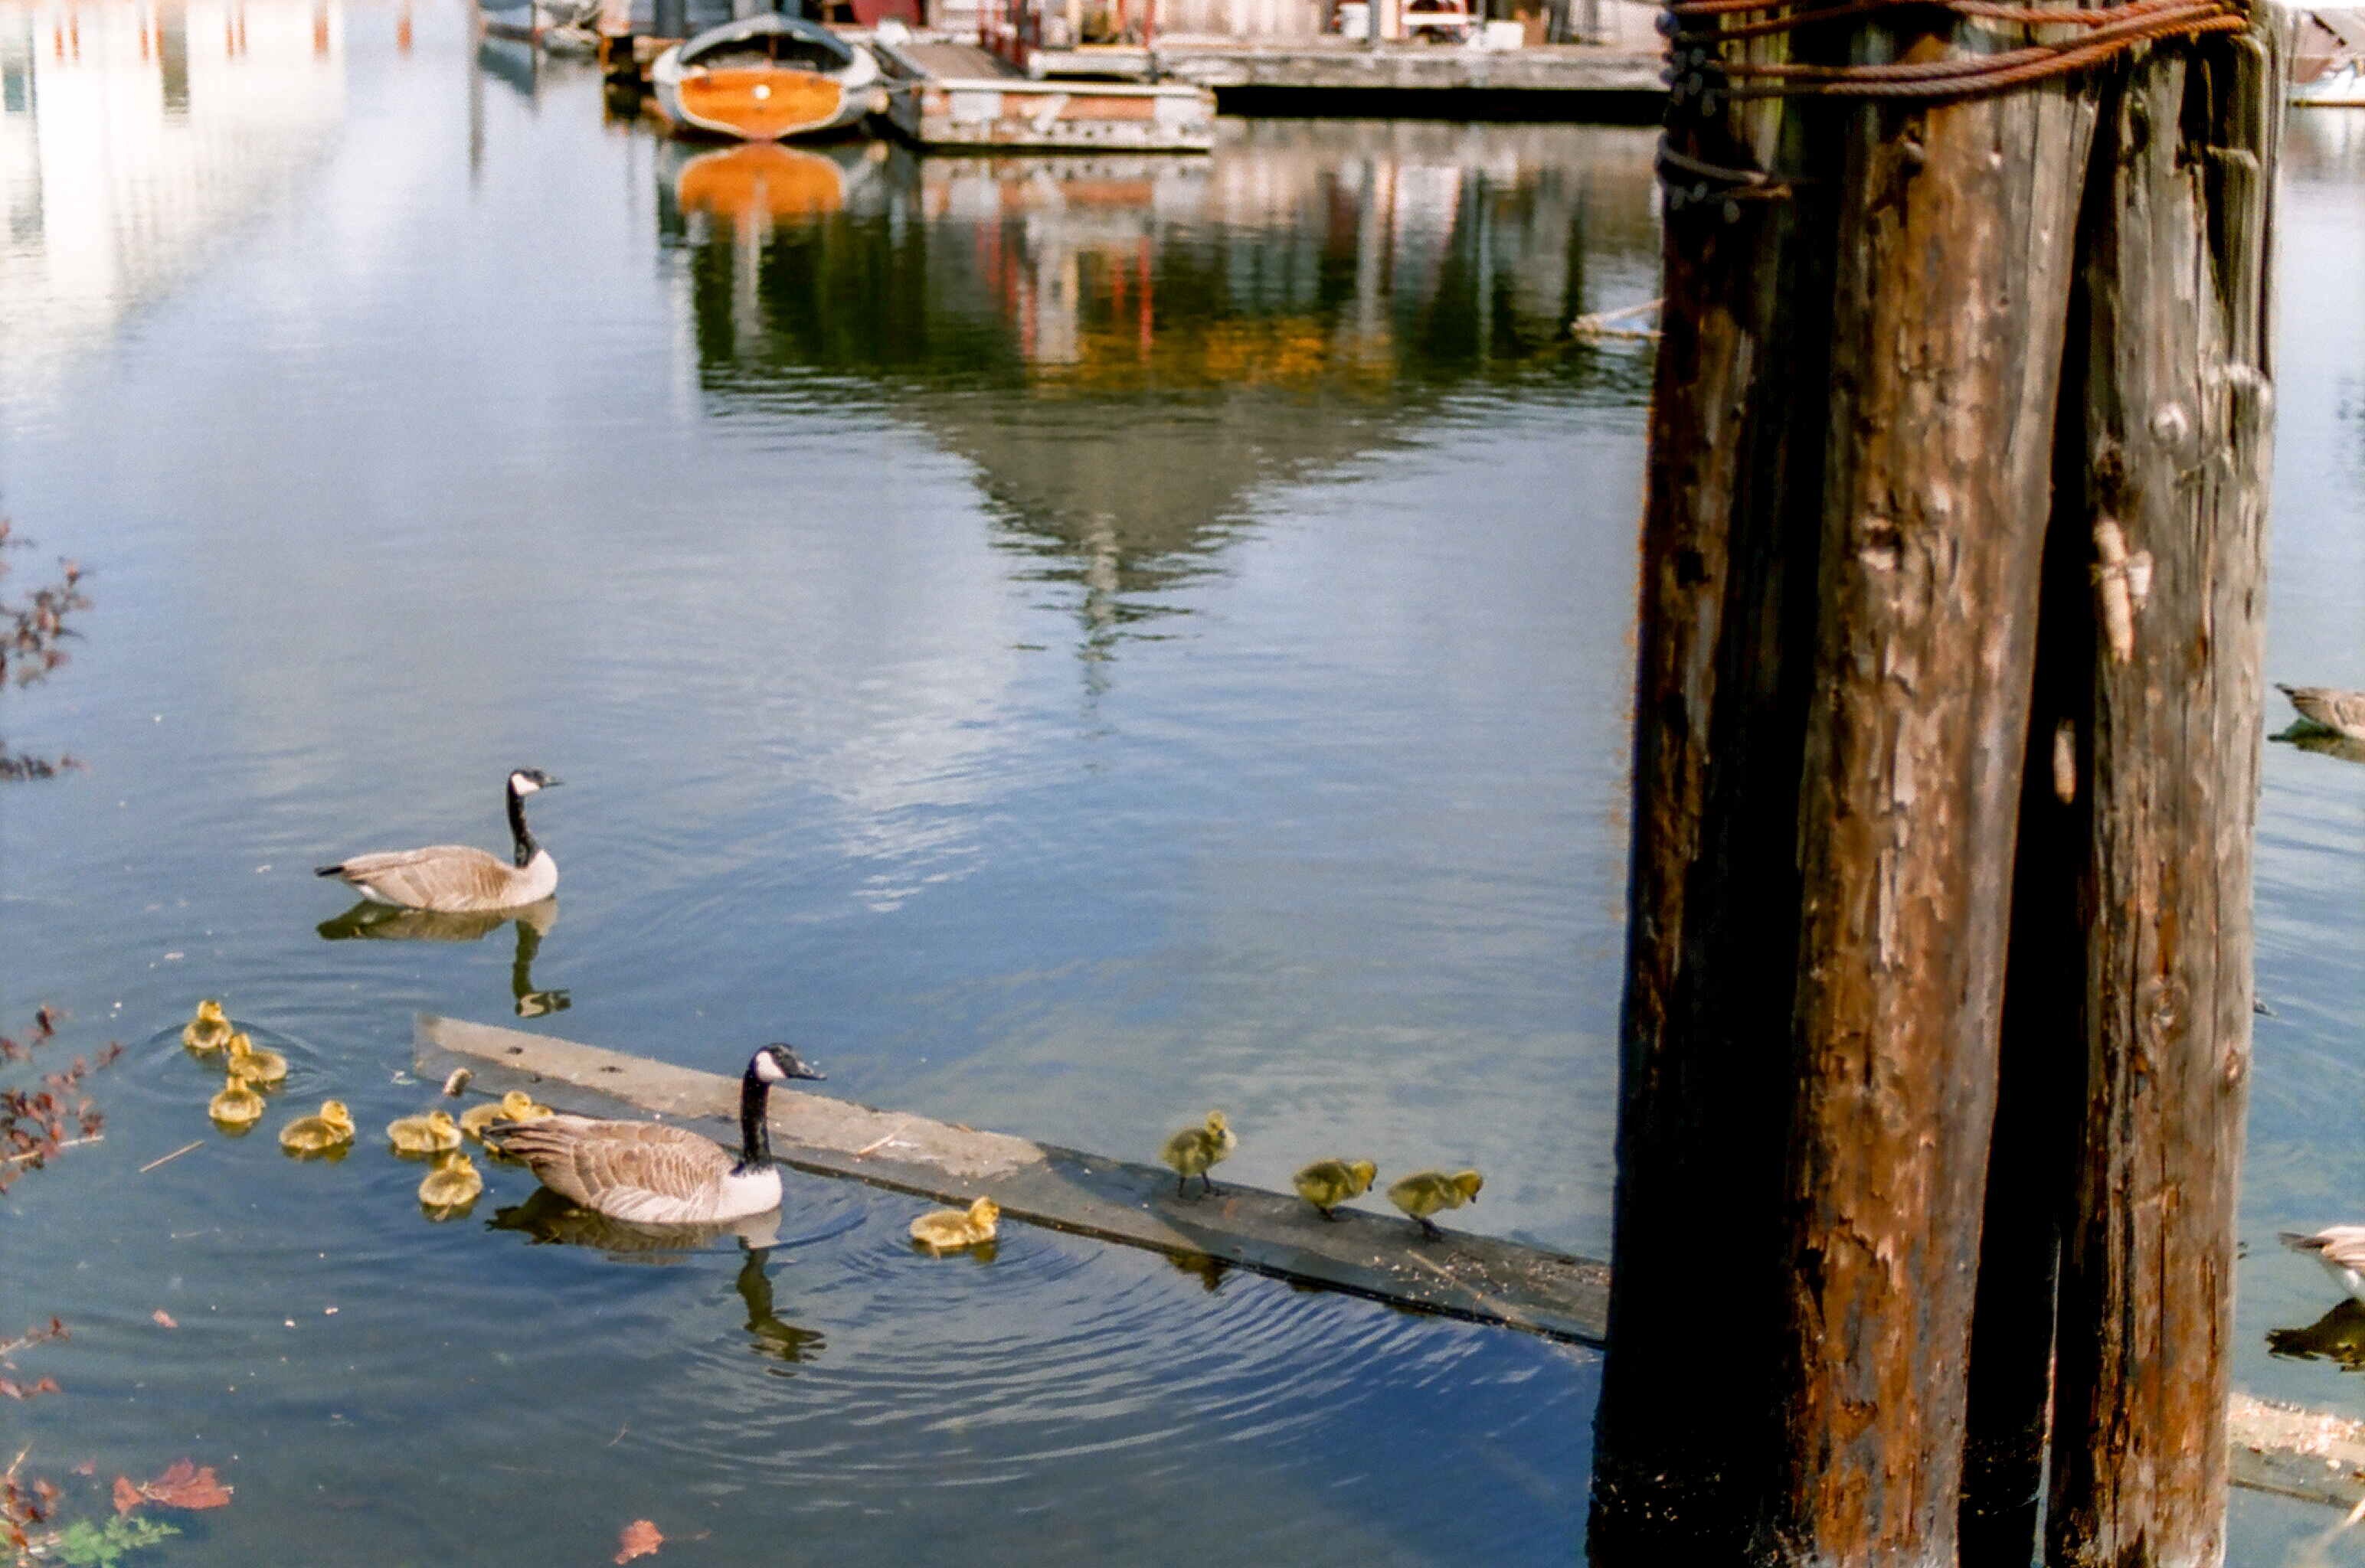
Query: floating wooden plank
(1380, 1256)
(2298, 1454)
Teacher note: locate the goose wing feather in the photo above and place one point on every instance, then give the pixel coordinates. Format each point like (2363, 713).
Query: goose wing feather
(2334, 710)
(642, 1172)
(453, 878)
(2341, 1244)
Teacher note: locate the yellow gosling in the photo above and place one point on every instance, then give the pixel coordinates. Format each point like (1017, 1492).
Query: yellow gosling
(1326, 1183)
(266, 1067)
(209, 1031)
(517, 1105)
(949, 1230)
(236, 1106)
(332, 1128)
(1424, 1193)
(1190, 1151)
(451, 1187)
(434, 1133)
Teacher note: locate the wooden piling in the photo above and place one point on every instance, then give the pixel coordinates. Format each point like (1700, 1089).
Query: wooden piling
(2177, 401)
(1844, 580)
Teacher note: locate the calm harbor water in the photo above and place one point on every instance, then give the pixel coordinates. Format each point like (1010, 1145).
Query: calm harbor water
(1067, 642)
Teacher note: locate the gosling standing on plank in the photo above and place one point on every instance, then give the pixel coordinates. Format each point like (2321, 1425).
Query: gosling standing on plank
(1326, 1183)
(209, 1031)
(1190, 1151)
(454, 878)
(1424, 1193)
(651, 1173)
(949, 1230)
(2341, 1250)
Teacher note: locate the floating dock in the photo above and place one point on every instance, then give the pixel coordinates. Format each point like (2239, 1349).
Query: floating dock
(2275, 1448)
(958, 97)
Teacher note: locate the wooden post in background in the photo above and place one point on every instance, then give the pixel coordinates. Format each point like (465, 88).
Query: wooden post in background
(2178, 404)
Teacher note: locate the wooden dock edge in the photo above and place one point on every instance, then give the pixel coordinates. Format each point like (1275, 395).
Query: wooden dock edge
(2275, 1448)
(1379, 1255)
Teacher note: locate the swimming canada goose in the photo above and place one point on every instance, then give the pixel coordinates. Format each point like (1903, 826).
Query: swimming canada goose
(1190, 1151)
(456, 878)
(1424, 1193)
(209, 1031)
(236, 1106)
(2343, 711)
(451, 1187)
(949, 1230)
(263, 1067)
(652, 1174)
(517, 1105)
(434, 1133)
(1326, 1183)
(332, 1128)
(2341, 1250)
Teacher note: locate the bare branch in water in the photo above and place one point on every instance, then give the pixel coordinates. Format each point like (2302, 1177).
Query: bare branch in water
(31, 633)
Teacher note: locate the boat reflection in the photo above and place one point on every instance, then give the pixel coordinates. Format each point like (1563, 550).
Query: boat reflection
(2337, 1336)
(548, 1218)
(370, 921)
(757, 182)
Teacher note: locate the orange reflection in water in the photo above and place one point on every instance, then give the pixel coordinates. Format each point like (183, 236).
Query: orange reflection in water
(760, 180)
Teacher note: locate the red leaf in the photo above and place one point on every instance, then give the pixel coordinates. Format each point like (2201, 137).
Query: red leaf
(163, 1318)
(183, 1486)
(126, 1496)
(639, 1540)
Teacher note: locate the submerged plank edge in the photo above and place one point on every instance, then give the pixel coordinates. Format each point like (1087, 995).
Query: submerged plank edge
(1478, 1278)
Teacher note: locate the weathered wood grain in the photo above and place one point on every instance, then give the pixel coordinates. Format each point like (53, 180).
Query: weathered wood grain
(2178, 423)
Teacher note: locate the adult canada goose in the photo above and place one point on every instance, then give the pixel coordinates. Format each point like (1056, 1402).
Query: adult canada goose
(1326, 1183)
(456, 878)
(2341, 1250)
(1424, 1193)
(331, 1129)
(651, 1173)
(1190, 1151)
(209, 1031)
(2343, 711)
(949, 1230)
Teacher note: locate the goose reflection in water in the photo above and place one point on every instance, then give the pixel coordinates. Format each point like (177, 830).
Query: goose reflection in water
(2315, 738)
(549, 1218)
(388, 923)
(2337, 1336)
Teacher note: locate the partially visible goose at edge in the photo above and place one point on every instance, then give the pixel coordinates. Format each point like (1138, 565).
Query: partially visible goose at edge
(2343, 712)
(455, 878)
(2340, 1248)
(652, 1174)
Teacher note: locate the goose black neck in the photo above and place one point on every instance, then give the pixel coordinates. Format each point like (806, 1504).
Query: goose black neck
(525, 844)
(755, 1133)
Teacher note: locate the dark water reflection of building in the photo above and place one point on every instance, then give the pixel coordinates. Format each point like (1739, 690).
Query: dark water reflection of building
(1127, 347)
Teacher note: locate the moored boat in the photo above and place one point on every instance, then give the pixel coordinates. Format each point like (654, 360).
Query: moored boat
(765, 77)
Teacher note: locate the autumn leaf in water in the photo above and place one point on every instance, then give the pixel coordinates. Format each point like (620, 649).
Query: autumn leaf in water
(163, 1318)
(639, 1540)
(184, 1485)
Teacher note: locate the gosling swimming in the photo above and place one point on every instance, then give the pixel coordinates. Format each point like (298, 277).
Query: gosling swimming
(1326, 1183)
(1190, 1151)
(454, 878)
(255, 1065)
(434, 1133)
(949, 1230)
(209, 1031)
(517, 1105)
(236, 1106)
(1424, 1193)
(2341, 1250)
(332, 1128)
(451, 1186)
